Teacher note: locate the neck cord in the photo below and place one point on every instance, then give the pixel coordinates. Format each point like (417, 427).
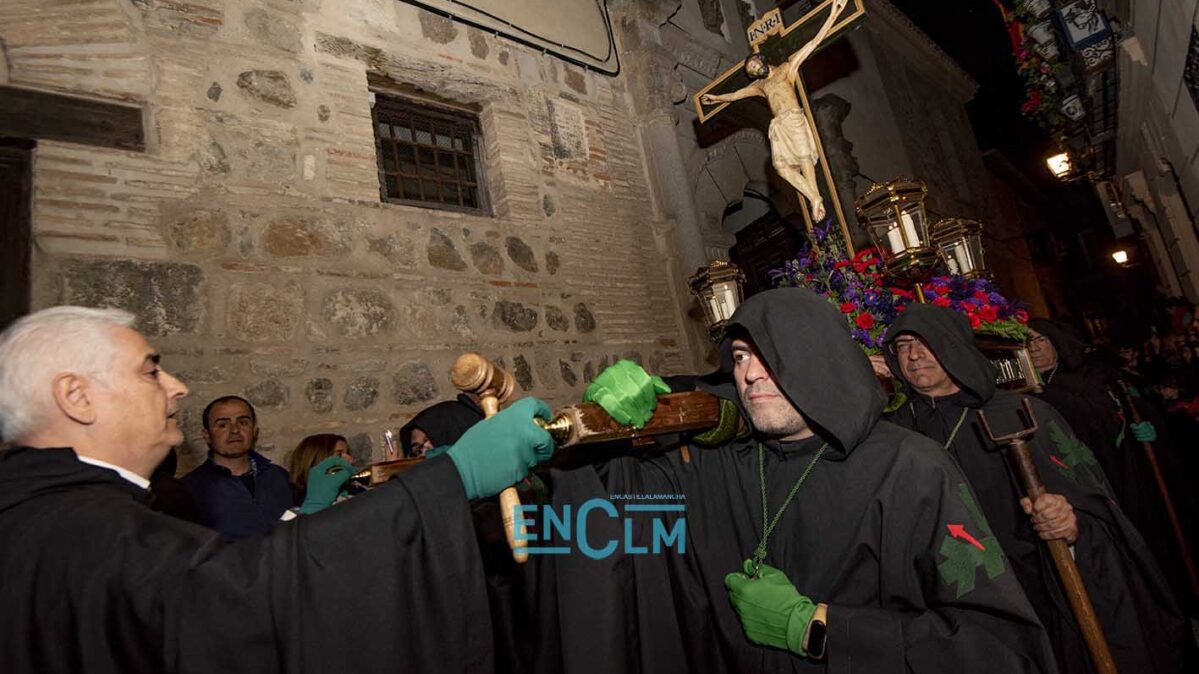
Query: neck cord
(767, 529)
(956, 427)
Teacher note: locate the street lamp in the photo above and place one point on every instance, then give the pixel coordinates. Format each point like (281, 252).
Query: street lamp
(959, 242)
(719, 290)
(895, 218)
(1059, 165)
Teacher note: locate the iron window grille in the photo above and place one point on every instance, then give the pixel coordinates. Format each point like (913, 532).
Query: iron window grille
(428, 157)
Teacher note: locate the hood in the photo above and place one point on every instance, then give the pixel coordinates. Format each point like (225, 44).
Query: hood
(444, 422)
(805, 342)
(1070, 346)
(948, 335)
(26, 473)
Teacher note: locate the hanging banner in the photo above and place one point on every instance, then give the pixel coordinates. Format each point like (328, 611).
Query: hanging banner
(578, 31)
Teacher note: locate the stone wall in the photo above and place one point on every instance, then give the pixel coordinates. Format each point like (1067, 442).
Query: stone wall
(251, 241)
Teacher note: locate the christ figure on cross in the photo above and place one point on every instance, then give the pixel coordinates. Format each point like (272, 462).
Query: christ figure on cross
(792, 147)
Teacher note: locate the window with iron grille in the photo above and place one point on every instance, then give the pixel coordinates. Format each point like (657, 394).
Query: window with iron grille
(428, 156)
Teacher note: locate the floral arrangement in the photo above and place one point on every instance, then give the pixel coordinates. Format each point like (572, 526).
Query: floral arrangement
(1036, 63)
(857, 287)
(989, 311)
(854, 284)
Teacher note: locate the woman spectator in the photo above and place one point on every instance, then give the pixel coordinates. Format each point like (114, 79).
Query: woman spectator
(314, 481)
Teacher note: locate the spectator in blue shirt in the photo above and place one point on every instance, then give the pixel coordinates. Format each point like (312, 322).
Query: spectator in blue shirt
(239, 492)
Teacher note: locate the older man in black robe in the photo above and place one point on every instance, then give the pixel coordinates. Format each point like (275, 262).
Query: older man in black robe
(95, 581)
(822, 520)
(932, 350)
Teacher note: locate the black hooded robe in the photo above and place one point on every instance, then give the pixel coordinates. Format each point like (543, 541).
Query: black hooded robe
(868, 533)
(1086, 393)
(92, 580)
(1131, 599)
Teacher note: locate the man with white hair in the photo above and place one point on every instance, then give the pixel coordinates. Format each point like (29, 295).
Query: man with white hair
(93, 580)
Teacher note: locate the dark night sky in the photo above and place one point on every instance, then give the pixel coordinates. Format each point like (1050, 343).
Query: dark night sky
(973, 34)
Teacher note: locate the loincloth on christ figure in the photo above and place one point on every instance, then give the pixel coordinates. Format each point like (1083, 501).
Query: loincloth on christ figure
(791, 144)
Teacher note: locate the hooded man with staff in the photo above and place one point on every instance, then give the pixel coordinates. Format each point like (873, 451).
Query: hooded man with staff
(931, 349)
(818, 538)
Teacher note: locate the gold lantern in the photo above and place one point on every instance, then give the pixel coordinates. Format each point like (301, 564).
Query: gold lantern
(895, 218)
(959, 241)
(719, 290)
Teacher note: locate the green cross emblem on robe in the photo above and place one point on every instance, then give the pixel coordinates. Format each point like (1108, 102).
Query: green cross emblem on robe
(967, 546)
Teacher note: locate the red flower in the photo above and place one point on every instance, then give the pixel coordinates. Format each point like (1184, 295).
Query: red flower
(1021, 315)
(940, 290)
(975, 321)
(865, 321)
(988, 313)
(901, 307)
(841, 264)
(847, 308)
(941, 301)
(981, 296)
(903, 293)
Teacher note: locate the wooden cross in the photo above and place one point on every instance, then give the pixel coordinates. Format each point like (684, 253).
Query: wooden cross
(776, 40)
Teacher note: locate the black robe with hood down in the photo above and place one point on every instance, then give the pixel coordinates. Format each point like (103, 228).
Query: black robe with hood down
(1133, 602)
(867, 534)
(94, 581)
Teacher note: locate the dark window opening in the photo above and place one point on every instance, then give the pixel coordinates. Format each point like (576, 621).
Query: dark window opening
(428, 157)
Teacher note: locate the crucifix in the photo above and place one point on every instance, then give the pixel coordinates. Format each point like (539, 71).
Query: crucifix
(772, 72)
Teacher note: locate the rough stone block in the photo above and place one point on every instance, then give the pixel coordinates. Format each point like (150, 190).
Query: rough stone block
(522, 372)
(442, 253)
(486, 258)
(268, 86)
(568, 374)
(521, 254)
(361, 393)
(320, 394)
(296, 236)
(584, 321)
(514, 316)
(165, 297)
(397, 250)
(362, 448)
(556, 319)
(437, 28)
(262, 313)
(273, 31)
(270, 394)
(201, 232)
(359, 313)
(413, 383)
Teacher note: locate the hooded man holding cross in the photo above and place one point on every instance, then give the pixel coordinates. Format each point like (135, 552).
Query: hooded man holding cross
(792, 145)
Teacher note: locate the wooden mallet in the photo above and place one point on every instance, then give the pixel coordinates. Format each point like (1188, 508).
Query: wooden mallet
(1030, 478)
(474, 374)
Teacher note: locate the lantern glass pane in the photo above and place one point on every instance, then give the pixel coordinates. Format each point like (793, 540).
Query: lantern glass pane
(724, 300)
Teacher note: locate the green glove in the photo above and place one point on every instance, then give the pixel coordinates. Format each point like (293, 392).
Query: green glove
(497, 453)
(323, 488)
(773, 613)
(1144, 432)
(626, 392)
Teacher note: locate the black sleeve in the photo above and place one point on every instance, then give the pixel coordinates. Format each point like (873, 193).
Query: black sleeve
(389, 580)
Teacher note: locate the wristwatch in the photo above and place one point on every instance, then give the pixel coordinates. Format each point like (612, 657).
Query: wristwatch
(816, 638)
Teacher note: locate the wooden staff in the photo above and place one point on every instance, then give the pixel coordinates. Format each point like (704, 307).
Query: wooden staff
(472, 373)
(1076, 592)
(1161, 486)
